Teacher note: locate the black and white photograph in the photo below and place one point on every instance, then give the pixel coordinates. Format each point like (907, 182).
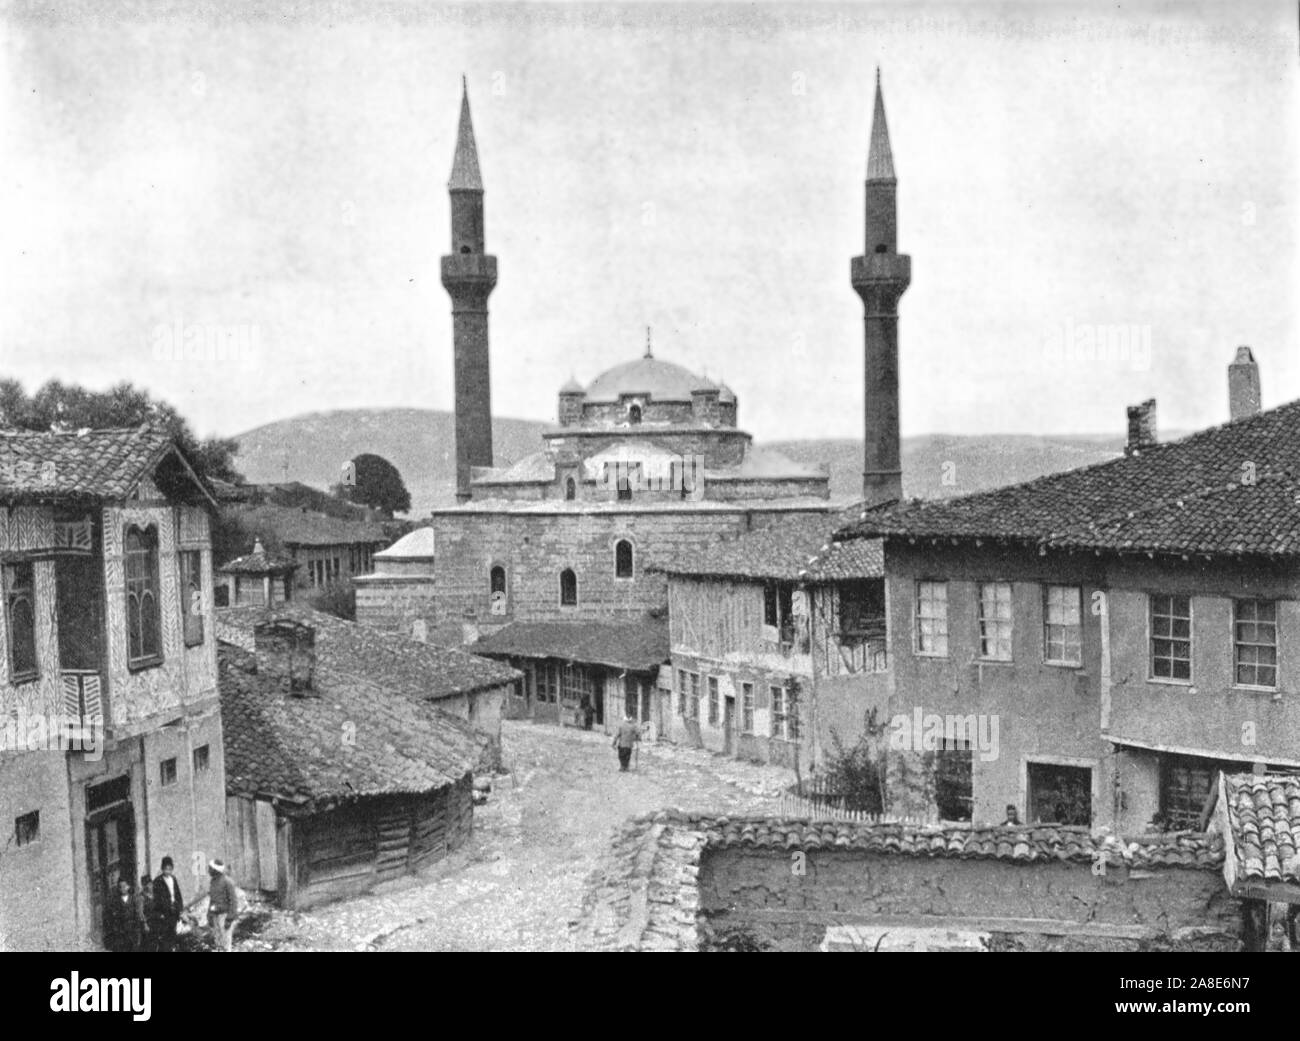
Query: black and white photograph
(651, 477)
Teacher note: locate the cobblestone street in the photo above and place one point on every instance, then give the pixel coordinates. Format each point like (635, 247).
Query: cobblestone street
(518, 882)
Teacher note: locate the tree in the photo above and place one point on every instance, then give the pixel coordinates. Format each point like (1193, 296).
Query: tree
(371, 480)
(59, 407)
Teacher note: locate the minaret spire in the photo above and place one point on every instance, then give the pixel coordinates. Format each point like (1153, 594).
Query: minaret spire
(880, 157)
(465, 175)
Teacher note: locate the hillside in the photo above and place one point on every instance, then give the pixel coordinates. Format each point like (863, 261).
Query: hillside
(312, 449)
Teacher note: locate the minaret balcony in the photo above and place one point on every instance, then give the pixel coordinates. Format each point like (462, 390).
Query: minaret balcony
(882, 267)
(469, 268)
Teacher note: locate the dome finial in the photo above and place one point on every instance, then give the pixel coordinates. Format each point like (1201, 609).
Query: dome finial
(649, 352)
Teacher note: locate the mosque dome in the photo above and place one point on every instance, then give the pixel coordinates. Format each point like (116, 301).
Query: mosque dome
(661, 380)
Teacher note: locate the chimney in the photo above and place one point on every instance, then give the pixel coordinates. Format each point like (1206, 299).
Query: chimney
(1141, 426)
(1243, 385)
(286, 652)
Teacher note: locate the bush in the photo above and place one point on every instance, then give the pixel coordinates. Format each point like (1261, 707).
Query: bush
(857, 773)
(338, 599)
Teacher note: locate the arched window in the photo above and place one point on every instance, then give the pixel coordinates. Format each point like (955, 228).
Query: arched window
(497, 579)
(568, 588)
(634, 414)
(143, 627)
(570, 488)
(623, 559)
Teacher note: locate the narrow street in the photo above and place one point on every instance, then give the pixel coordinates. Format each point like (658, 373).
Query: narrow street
(518, 883)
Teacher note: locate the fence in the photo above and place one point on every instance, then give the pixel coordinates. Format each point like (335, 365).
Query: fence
(816, 800)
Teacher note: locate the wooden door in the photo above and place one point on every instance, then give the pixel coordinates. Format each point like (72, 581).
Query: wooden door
(729, 726)
(110, 855)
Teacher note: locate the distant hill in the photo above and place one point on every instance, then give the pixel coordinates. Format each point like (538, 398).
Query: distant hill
(936, 466)
(312, 448)
(419, 442)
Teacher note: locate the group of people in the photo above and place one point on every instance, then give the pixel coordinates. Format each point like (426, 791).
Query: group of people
(150, 918)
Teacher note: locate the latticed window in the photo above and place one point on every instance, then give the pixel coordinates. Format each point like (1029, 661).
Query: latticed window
(1185, 786)
(779, 718)
(932, 618)
(548, 683)
(20, 617)
(995, 621)
(1171, 637)
(1255, 642)
(192, 596)
(143, 628)
(747, 708)
(1062, 625)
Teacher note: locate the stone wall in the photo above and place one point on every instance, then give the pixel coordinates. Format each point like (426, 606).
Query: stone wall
(1060, 905)
(535, 547)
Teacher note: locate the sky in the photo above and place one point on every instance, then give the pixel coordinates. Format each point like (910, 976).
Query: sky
(1099, 201)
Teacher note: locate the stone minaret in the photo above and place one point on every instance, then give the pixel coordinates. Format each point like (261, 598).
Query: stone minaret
(469, 276)
(880, 277)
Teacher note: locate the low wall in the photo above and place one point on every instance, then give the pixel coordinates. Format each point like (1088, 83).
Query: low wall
(1062, 905)
(680, 881)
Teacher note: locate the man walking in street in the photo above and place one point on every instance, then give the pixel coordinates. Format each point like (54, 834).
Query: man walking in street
(168, 906)
(223, 905)
(628, 735)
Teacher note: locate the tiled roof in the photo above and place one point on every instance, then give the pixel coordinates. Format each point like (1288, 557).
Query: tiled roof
(1263, 814)
(1026, 844)
(291, 526)
(1232, 489)
(349, 739)
(419, 670)
(793, 549)
(857, 558)
(90, 465)
(258, 563)
(639, 646)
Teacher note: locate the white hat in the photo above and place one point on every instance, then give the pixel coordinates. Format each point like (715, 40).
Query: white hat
(217, 865)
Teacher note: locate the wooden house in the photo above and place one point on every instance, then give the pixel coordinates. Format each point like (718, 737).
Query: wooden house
(572, 670)
(335, 782)
(763, 627)
(461, 684)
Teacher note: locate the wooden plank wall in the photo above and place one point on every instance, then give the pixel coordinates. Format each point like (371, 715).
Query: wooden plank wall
(714, 618)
